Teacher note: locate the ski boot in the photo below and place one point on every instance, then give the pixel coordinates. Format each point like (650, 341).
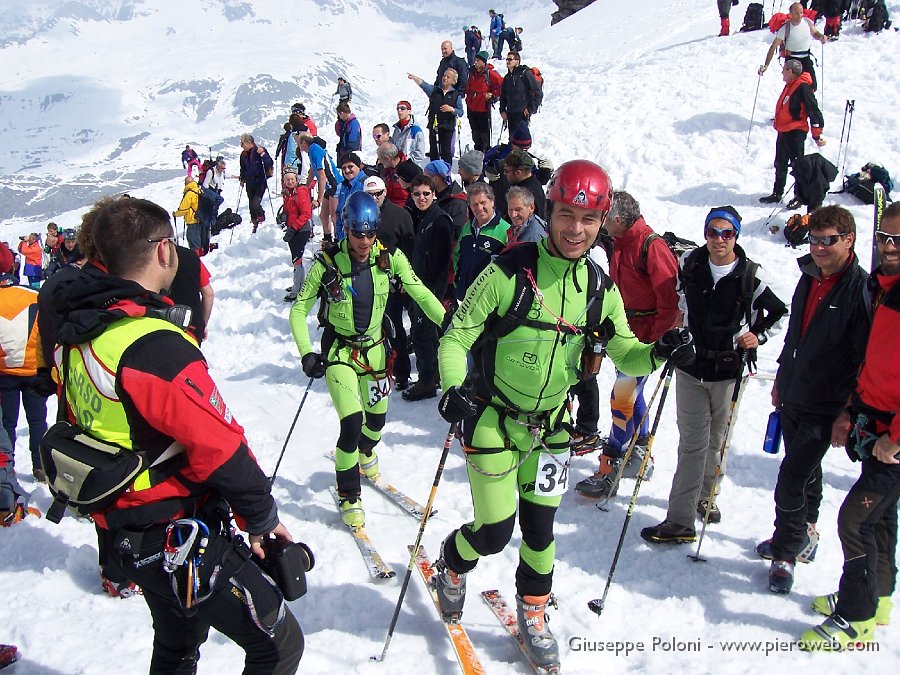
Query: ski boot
(601, 483)
(781, 576)
(836, 633)
(531, 620)
(352, 512)
(18, 514)
(450, 588)
(369, 465)
(826, 604)
(582, 441)
(633, 465)
(773, 198)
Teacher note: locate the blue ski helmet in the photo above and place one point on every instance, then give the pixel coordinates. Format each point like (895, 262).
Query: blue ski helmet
(361, 213)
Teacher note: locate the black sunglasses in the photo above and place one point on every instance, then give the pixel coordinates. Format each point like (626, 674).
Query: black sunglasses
(363, 235)
(827, 240)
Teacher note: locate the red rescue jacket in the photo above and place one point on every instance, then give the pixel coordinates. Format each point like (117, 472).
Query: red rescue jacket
(648, 290)
(480, 84)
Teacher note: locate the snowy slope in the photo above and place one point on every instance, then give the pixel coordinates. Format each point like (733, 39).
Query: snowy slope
(102, 96)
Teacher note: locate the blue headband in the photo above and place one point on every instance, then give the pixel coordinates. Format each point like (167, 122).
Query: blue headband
(724, 215)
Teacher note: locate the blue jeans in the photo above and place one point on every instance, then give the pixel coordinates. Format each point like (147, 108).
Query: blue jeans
(12, 389)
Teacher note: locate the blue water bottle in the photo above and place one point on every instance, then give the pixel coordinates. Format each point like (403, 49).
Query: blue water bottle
(772, 443)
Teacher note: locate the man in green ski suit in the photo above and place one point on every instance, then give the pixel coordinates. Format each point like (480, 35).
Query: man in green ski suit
(353, 279)
(514, 412)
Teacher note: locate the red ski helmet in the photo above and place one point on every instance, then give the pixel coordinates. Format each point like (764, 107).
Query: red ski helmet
(581, 183)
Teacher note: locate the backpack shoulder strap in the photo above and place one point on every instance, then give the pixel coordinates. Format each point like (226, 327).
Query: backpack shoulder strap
(645, 248)
(748, 286)
(513, 263)
(598, 283)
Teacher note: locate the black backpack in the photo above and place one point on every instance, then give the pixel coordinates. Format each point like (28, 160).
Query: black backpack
(796, 230)
(676, 244)
(862, 184)
(754, 18)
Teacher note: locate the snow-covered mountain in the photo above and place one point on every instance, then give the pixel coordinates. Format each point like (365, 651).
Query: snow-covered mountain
(101, 96)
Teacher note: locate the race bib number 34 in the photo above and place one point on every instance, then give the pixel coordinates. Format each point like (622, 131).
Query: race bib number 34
(552, 475)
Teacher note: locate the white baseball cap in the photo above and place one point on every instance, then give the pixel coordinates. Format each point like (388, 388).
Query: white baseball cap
(373, 184)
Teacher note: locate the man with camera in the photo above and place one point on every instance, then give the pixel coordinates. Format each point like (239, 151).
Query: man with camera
(149, 392)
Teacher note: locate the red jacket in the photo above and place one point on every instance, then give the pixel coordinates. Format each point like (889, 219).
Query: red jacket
(395, 192)
(298, 207)
(479, 84)
(645, 288)
(795, 105)
(879, 380)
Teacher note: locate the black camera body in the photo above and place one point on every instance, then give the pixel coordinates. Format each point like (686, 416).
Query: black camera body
(287, 563)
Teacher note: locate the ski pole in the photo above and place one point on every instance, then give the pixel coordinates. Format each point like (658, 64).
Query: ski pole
(597, 605)
(778, 207)
(753, 112)
(454, 428)
(822, 45)
(852, 105)
(735, 403)
(843, 129)
(500, 135)
(290, 431)
(631, 443)
(237, 208)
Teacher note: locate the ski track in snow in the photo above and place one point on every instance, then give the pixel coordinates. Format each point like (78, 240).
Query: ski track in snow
(643, 88)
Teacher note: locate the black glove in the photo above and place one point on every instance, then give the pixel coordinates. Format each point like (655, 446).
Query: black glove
(605, 332)
(42, 384)
(313, 365)
(676, 345)
(456, 404)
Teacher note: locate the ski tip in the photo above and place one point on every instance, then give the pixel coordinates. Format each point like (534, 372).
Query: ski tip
(596, 606)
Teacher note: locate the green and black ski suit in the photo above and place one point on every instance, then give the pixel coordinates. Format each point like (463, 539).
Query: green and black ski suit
(516, 444)
(353, 344)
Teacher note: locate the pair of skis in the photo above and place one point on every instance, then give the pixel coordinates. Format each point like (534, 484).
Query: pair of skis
(378, 569)
(459, 638)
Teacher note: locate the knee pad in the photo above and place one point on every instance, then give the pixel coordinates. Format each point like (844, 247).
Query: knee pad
(375, 421)
(492, 538)
(351, 429)
(536, 523)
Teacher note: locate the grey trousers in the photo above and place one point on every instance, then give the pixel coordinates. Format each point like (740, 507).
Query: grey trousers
(702, 409)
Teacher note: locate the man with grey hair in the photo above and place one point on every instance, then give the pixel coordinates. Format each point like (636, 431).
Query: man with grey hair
(645, 271)
(525, 224)
(796, 104)
(481, 239)
(388, 157)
